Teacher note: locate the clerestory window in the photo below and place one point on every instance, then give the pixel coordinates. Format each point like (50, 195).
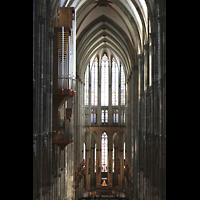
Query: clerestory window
(104, 80)
(115, 83)
(104, 116)
(111, 81)
(94, 83)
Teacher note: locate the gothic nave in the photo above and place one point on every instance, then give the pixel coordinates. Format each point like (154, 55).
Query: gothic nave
(99, 99)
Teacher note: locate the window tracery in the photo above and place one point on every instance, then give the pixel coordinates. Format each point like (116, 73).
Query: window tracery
(104, 80)
(94, 83)
(115, 83)
(122, 86)
(104, 152)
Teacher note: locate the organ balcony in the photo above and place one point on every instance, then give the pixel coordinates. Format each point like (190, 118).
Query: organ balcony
(62, 131)
(64, 88)
(64, 74)
(64, 67)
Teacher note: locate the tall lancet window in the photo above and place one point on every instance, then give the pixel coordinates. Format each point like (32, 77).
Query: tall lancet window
(104, 80)
(122, 86)
(94, 83)
(115, 83)
(113, 155)
(104, 152)
(86, 93)
(95, 157)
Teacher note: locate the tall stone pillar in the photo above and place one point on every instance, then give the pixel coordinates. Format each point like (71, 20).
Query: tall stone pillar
(146, 84)
(140, 123)
(110, 151)
(98, 162)
(88, 161)
(135, 162)
(120, 161)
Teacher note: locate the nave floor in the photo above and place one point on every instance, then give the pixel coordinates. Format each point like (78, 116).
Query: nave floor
(104, 194)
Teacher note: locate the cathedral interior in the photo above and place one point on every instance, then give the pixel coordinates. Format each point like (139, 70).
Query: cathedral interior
(99, 99)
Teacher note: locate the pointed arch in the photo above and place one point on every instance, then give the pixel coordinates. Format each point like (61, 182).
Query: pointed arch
(115, 82)
(104, 80)
(104, 152)
(115, 158)
(94, 83)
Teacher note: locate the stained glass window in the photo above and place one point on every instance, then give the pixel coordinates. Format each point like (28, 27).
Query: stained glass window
(95, 156)
(94, 83)
(86, 93)
(104, 116)
(104, 80)
(104, 152)
(124, 150)
(115, 83)
(122, 86)
(115, 116)
(122, 116)
(93, 116)
(84, 151)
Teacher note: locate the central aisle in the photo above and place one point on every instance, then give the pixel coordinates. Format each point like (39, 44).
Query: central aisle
(104, 193)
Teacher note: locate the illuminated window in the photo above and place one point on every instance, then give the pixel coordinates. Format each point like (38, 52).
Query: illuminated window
(115, 116)
(95, 156)
(84, 151)
(94, 83)
(122, 116)
(115, 83)
(124, 150)
(104, 80)
(104, 116)
(86, 93)
(93, 116)
(113, 154)
(104, 152)
(122, 86)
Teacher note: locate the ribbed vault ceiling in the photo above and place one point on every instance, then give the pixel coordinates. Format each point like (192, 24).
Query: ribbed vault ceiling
(116, 27)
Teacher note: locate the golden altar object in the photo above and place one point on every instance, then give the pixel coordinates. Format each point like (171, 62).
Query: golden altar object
(104, 183)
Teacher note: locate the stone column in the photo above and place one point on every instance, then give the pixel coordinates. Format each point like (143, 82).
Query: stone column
(39, 92)
(110, 151)
(135, 162)
(88, 161)
(159, 26)
(50, 114)
(98, 161)
(119, 161)
(140, 124)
